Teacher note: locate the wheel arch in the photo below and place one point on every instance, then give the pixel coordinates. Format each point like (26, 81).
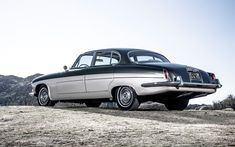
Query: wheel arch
(133, 103)
(113, 89)
(38, 87)
(116, 84)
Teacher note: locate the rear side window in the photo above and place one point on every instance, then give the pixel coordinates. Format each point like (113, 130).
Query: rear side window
(106, 58)
(146, 57)
(103, 58)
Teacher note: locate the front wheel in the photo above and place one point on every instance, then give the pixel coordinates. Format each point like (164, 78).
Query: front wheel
(179, 105)
(127, 98)
(43, 97)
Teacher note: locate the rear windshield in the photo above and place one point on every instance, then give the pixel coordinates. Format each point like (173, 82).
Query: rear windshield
(146, 57)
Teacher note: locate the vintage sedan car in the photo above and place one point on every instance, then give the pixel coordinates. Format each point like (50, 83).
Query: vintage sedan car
(126, 76)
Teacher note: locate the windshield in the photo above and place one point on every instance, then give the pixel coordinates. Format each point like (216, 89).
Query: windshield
(146, 57)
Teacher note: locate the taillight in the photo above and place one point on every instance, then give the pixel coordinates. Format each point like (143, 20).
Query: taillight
(166, 74)
(212, 75)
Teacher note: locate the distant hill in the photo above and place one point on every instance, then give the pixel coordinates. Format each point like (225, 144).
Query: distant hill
(15, 90)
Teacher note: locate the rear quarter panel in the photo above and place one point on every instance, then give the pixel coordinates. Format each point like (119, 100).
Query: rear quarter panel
(134, 76)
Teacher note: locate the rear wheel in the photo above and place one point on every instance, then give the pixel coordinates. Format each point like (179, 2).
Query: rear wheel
(92, 104)
(179, 105)
(127, 98)
(43, 97)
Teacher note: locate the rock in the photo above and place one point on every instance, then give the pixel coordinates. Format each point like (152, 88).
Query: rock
(152, 106)
(109, 105)
(199, 107)
(228, 109)
(68, 104)
(205, 108)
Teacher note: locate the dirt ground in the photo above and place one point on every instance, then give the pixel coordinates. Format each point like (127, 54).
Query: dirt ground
(82, 126)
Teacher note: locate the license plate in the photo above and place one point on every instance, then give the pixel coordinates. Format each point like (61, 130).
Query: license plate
(194, 75)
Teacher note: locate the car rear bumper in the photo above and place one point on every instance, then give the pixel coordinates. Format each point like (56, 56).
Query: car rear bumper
(180, 83)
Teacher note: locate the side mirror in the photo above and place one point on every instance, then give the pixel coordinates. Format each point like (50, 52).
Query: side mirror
(65, 68)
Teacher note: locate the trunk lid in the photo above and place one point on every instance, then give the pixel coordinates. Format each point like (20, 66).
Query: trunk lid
(187, 73)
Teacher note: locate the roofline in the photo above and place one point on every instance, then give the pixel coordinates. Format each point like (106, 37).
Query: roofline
(119, 49)
(123, 50)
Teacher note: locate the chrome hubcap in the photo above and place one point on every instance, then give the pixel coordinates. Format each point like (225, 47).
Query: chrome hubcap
(43, 96)
(125, 97)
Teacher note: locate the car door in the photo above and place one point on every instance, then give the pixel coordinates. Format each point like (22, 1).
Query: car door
(100, 75)
(72, 84)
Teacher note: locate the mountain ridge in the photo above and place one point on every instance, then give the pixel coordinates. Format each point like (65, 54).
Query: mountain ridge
(15, 90)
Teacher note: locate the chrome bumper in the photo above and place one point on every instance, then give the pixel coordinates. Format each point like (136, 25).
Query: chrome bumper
(180, 83)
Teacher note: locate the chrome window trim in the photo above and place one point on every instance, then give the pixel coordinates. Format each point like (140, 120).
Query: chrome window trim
(120, 57)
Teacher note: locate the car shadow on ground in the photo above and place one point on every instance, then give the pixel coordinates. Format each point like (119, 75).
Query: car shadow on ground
(181, 117)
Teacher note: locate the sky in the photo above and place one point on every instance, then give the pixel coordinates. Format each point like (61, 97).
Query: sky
(43, 36)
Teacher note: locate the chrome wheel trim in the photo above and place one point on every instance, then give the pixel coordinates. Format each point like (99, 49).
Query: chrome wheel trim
(43, 96)
(125, 97)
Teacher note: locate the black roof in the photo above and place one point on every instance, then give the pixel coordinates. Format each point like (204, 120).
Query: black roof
(119, 50)
(123, 52)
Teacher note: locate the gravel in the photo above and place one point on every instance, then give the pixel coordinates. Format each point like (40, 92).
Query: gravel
(82, 126)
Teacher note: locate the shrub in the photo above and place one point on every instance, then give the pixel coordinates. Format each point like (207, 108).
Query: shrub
(228, 102)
